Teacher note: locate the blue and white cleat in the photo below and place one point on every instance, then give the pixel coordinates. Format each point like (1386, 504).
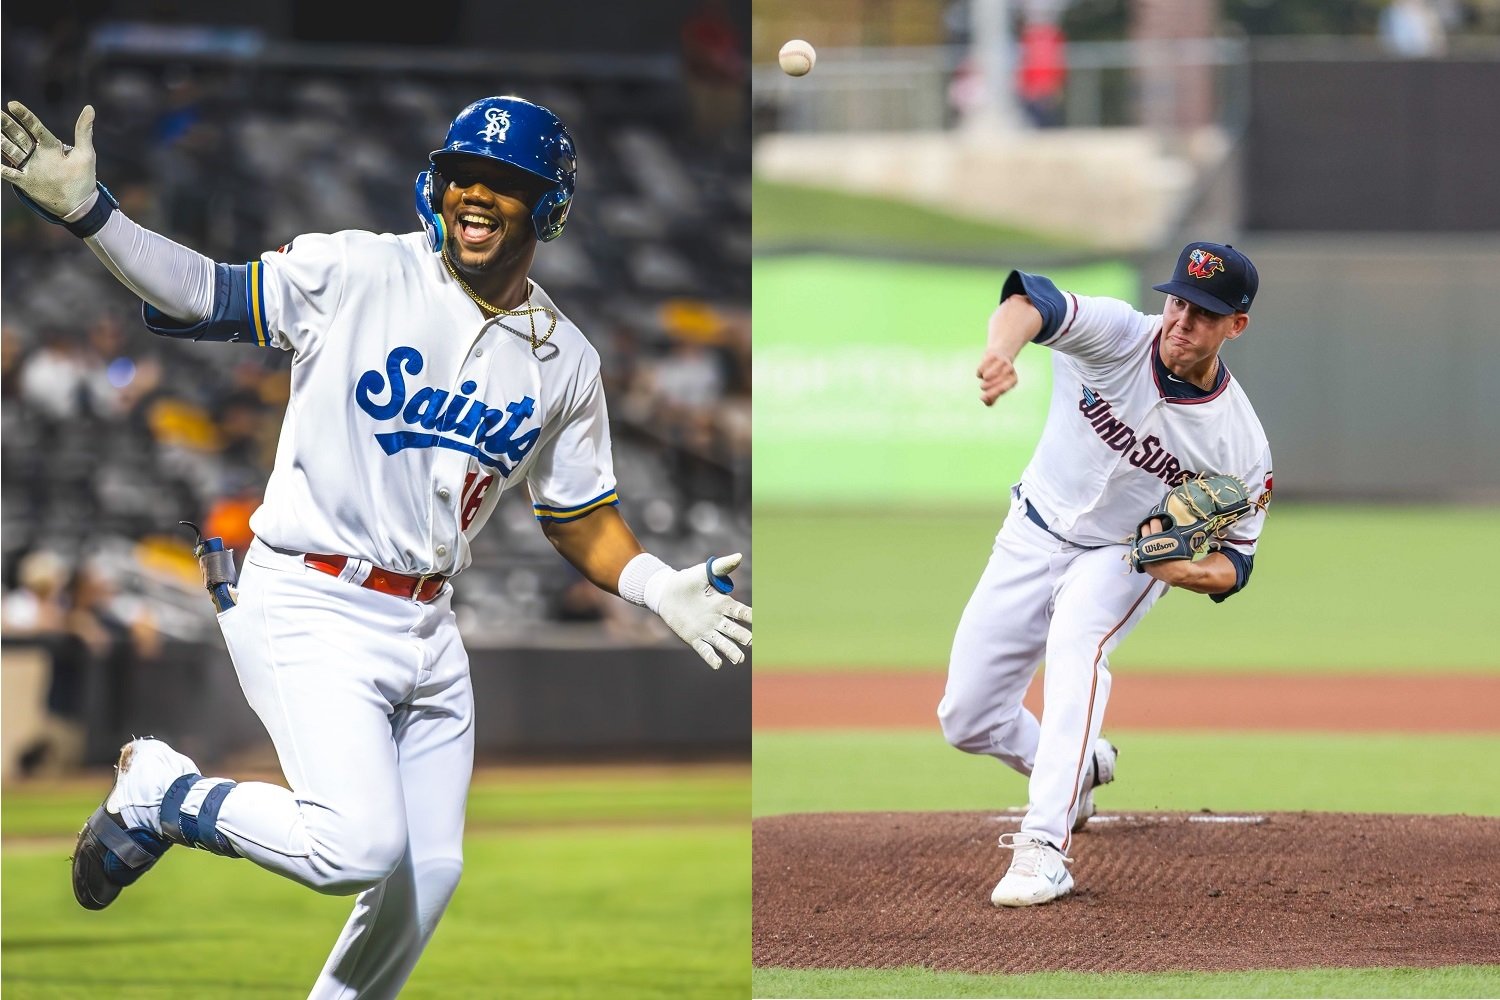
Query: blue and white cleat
(109, 854)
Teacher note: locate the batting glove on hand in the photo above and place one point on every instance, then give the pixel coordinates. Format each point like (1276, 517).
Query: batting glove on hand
(59, 179)
(695, 604)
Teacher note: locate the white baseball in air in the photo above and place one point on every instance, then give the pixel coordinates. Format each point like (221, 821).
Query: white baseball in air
(797, 57)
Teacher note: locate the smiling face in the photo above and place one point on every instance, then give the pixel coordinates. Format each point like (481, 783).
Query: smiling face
(487, 208)
(1191, 335)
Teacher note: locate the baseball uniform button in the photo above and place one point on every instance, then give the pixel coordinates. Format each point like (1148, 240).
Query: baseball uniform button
(478, 352)
(444, 494)
(442, 550)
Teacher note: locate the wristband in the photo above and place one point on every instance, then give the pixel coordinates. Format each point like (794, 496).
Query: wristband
(85, 225)
(634, 576)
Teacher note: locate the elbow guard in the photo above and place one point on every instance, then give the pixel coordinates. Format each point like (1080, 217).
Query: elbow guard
(237, 316)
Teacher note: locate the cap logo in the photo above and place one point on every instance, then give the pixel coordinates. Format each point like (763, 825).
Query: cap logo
(497, 124)
(1202, 264)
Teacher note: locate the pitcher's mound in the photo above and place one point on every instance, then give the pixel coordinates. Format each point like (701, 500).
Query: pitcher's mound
(1154, 892)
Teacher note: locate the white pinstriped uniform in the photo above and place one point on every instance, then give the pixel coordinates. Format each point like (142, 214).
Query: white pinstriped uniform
(1118, 434)
(410, 415)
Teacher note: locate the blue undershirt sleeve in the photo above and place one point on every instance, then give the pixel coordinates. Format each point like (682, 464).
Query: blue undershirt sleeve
(230, 321)
(1243, 564)
(1044, 295)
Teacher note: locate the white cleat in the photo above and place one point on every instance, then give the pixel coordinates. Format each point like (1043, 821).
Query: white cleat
(1038, 872)
(1101, 772)
(123, 839)
(147, 768)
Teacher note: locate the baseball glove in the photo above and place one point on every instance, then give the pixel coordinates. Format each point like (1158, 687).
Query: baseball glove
(1193, 514)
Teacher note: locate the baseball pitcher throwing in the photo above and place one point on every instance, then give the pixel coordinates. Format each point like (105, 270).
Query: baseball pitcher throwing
(1142, 466)
(430, 374)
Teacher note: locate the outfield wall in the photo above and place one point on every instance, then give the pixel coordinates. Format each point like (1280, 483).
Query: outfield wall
(1367, 360)
(529, 703)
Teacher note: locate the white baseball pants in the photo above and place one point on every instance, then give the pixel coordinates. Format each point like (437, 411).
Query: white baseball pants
(1041, 598)
(367, 700)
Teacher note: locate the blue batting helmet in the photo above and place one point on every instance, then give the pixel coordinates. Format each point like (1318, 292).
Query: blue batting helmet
(516, 132)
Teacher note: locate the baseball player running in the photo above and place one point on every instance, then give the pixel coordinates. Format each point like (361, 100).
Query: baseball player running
(430, 374)
(1139, 404)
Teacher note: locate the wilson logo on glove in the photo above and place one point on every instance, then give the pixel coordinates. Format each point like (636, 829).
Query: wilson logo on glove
(1192, 514)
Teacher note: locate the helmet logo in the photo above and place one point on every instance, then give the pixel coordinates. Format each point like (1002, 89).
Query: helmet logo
(497, 124)
(1202, 264)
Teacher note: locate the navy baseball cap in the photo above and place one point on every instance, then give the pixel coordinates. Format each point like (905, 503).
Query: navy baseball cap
(1215, 277)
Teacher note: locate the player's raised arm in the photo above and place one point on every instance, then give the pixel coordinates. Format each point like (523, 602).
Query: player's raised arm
(694, 602)
(1014, 324)
(59, 183)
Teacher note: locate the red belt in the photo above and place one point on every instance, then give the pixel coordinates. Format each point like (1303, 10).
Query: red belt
(414, 588)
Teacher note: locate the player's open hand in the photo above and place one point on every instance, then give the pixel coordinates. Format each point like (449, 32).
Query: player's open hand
(997, 376)
(696, 605)
(59, 178)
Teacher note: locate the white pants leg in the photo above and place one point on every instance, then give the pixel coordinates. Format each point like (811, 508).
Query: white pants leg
(392, 923)
(1040, 597)
(999, 645)
(1098, 600)
(367, 700)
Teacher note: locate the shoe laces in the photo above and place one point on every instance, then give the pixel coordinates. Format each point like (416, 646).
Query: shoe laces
(1030, 852)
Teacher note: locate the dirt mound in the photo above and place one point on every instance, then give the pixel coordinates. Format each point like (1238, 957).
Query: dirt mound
(1154, 892)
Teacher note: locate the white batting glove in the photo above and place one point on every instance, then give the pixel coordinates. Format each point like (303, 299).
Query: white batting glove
(694, 602)
(60, 179)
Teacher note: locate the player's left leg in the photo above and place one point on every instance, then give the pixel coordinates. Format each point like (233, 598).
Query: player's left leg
(1099, 601)
(434, 735)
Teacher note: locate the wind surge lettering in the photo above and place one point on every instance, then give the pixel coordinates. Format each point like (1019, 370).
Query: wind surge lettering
(1146, 454)
(456, 422)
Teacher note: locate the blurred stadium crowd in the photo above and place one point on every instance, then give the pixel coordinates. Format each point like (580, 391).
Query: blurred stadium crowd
(111, 435)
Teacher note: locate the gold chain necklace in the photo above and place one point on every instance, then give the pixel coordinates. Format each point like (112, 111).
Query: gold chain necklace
(529, 311)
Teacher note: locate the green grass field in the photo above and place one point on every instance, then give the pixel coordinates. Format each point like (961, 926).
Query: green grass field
(895, 770)
(1339, 604)
(794, 216)
(633, 884)
(1454, 981)
(1322, 600)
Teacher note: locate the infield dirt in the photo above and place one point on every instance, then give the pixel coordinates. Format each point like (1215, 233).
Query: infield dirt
(1154, 892)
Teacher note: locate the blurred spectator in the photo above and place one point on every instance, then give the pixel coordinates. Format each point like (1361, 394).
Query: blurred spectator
(1413, 28)
(228, 516)
(100, 643)
(116, 632)
(715, 70)
(965, 90)
(1042, 72)
(246, 428)
(12, 350)
(581, 601)
(54, 380)
(35, 607)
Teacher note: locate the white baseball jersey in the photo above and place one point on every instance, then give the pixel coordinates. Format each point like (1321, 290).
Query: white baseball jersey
(410, 413)
(1122, 429)
(1120, 432)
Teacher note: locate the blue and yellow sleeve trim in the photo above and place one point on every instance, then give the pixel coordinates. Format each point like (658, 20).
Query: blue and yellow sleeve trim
(561, 515)
(255, 302)
(239, 310)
